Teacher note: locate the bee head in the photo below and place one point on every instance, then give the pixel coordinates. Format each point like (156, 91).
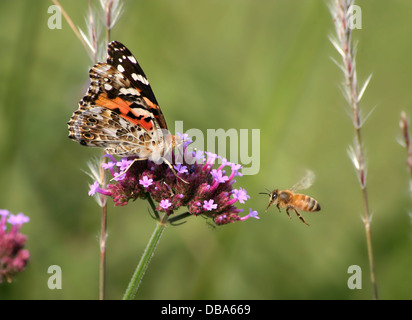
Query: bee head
(274, 195)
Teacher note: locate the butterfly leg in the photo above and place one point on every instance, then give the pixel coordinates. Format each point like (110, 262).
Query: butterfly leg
(174, 171)
(127, 169)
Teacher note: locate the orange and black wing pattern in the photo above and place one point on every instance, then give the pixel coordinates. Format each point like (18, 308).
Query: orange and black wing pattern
(119, 111)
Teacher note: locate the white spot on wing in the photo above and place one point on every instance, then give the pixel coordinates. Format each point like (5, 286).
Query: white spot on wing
(143, 79)
(129, 91)
(140, 78)
(108, 86)
(132, 59)
(120, 68)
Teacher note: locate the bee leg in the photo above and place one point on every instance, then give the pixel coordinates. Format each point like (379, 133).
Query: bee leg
(300, 216)
(277, 205)
(287, 211)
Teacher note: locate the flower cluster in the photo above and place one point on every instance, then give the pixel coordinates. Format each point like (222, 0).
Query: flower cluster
(192, 182)
(13, 256)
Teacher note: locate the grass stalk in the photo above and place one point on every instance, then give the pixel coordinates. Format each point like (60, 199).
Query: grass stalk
(341, 10)
(111, 11)
(103, 237)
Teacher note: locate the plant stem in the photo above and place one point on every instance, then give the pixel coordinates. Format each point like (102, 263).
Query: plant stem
(145, 259)
(366, 221)
(103, 237)
(343, 44)
(92, 45)
(103, 233)
(102, 268)
(353, 95)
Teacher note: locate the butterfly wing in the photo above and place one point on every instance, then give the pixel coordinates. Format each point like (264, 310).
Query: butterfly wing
(123, 60)
(119, 111)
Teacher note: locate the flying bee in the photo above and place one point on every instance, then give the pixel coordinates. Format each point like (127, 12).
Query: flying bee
(288, 199)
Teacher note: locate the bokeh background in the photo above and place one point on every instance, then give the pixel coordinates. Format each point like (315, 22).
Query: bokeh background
(242, 64)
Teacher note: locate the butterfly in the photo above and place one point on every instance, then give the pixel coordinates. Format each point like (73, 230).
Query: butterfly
(120, 112)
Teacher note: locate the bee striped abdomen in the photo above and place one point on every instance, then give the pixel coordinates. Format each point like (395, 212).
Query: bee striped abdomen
(306, 203)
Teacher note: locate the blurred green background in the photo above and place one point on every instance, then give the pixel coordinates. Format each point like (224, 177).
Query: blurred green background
(242, 64)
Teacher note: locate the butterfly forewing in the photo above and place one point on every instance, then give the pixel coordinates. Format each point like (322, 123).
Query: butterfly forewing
(123, 60)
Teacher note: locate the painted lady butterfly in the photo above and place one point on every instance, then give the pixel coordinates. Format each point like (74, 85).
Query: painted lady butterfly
(119, 111)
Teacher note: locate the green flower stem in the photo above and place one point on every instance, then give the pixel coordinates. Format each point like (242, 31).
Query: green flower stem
(173, 220)
(145, 260)
(152, 204)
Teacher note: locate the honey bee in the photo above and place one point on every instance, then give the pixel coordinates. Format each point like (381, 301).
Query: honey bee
(288, 199)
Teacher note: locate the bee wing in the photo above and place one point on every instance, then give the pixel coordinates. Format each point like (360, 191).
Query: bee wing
(305, 182)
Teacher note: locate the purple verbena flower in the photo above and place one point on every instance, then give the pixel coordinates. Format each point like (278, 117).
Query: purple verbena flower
(240, 195)
(165, 204)
(196, 185)
(211, 157)
(146, 182)
(95, 187)
(18, 220)
(4, 212)
(199, 156)
(108, 165)
(218, 175)
(13, 256)
(185, 138)
(180, 168)
(119, 176)
(251, 214)
(124, 164)
(209, 205)
(235, 169)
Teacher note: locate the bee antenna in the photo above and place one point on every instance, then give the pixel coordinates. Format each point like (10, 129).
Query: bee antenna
(264, 193)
